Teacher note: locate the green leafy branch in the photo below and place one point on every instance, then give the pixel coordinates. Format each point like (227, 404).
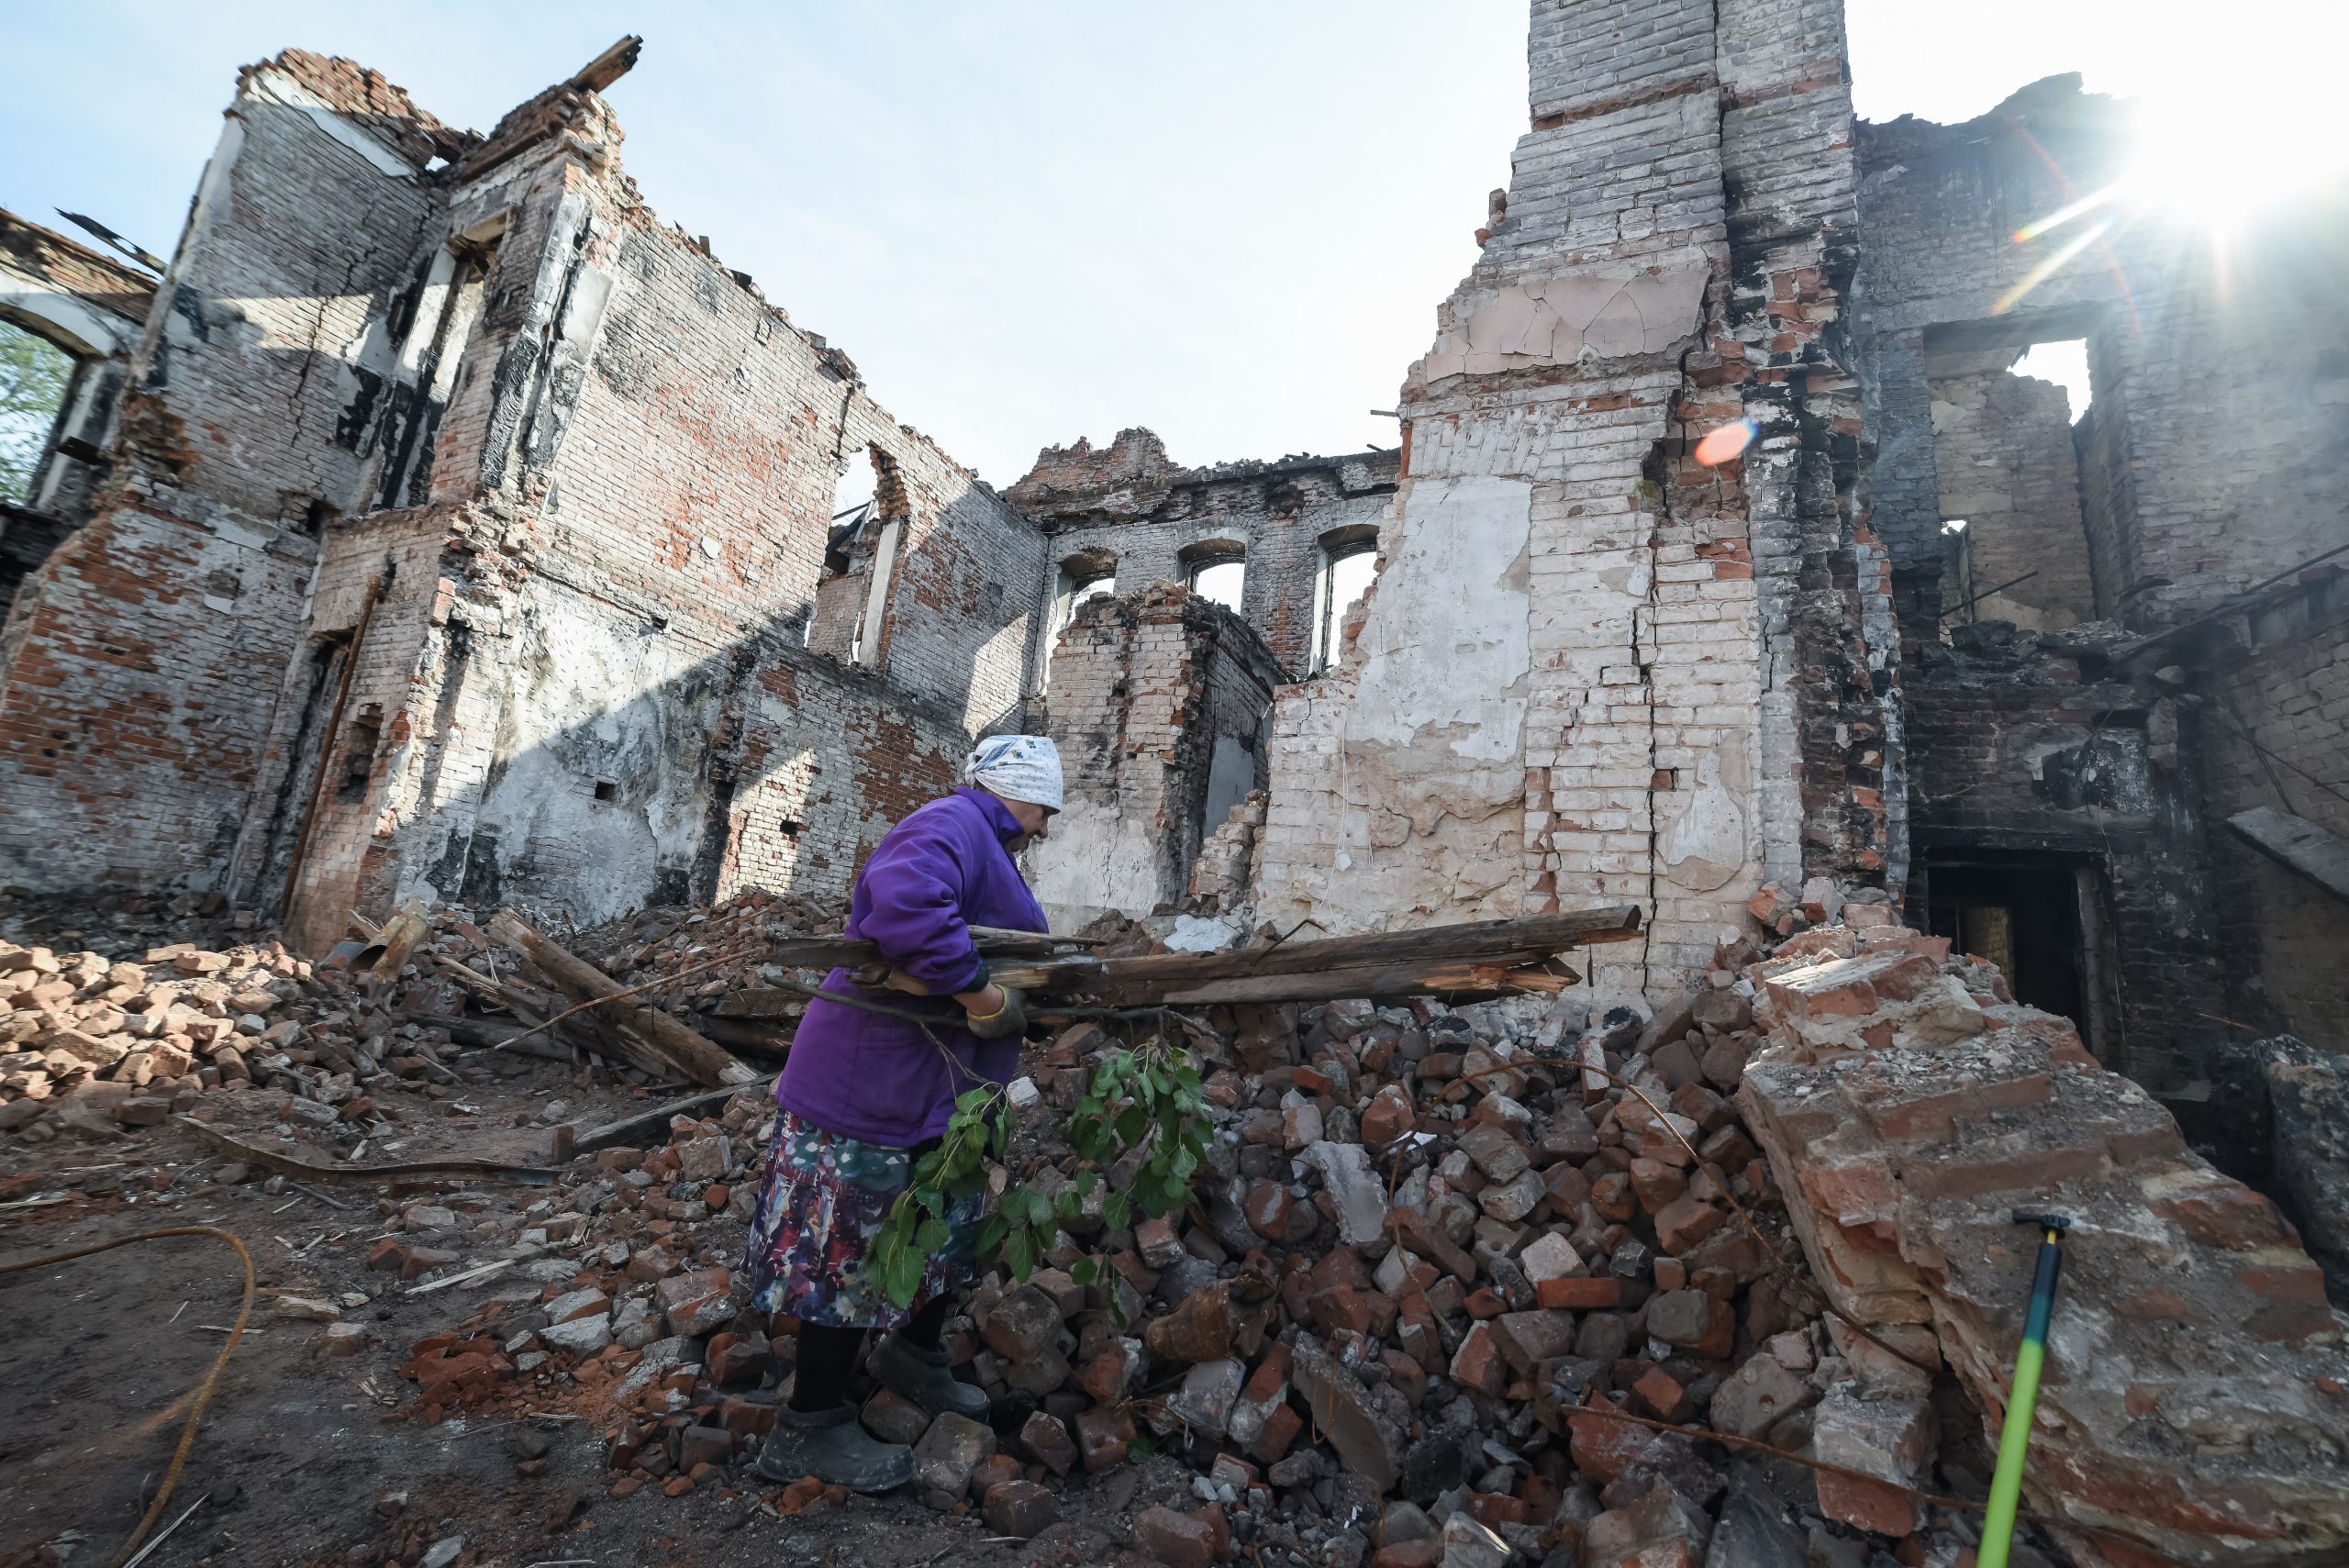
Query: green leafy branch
(1147, 1099)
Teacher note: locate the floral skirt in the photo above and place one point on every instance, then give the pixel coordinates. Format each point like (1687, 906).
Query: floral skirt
(823, 1199)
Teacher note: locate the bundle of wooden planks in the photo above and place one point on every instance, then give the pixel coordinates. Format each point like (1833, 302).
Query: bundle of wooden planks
(1483, 959)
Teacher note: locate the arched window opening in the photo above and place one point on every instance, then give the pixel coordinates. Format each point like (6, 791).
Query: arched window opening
(36, 379)
(1349, 563)
(1082, 575)
(1216, 570)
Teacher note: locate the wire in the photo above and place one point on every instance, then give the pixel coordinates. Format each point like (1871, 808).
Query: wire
(203, 1392)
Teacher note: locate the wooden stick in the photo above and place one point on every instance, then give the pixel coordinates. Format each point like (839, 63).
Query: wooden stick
(654, 1123)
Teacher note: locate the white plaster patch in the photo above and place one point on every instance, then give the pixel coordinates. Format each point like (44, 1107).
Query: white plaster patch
(1095, 860)
(1446, 636)
(1702, 844)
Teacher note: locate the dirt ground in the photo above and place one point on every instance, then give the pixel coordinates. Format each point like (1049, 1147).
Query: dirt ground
(303, 1458)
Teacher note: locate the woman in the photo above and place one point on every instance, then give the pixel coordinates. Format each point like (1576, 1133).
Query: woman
(864, 1097)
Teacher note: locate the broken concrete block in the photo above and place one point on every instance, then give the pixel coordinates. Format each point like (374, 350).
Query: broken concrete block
(949, 1452)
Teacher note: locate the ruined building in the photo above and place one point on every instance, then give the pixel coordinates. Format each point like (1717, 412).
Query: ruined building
(443, 523)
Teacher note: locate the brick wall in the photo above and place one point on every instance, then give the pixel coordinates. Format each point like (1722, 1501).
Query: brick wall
(2004, 459)
(2278, 737)
(140, 665)
(2236, 370)
(1157, 702)
(1591, 670)
(1130, 505)
(2213, 456)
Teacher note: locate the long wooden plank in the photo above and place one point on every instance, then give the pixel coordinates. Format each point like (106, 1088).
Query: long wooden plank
(1453, 977)
(993, 941)
(287, 1165)
(1482, 940)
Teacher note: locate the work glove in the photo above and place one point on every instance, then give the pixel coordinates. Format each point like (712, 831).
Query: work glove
(1007, 1022)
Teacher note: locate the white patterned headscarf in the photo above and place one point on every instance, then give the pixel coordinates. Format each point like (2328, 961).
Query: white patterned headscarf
(1017, 767)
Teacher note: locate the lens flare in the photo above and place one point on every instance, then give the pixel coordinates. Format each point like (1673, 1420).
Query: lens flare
(1725, 442)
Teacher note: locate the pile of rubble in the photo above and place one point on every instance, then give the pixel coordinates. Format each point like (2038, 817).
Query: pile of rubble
(1492, 1284)
(121, 1033)
(1435, 1276)
(689, 960)
(94, 1046)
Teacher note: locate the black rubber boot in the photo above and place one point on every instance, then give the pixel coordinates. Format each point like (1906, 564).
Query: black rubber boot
(831, 1446)
(926, 1377)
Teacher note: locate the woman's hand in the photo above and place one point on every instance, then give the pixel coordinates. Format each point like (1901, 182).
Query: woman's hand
(994, 1012)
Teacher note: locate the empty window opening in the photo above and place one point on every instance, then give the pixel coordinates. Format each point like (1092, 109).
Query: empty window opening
(606, 790)
(1216, 570)
(1223, 582)
(358, 761)
(1349, 563)
(1085, 574)
(35, 377)
(2014, 460)
(2066, 364)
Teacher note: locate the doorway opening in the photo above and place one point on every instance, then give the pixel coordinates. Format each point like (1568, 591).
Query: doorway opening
(2025, 914)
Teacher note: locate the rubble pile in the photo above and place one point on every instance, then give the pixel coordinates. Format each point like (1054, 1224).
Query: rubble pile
(724, 947)
(1430, 1267)
(1473, 1285)
(119, 1034)
(95, 1045)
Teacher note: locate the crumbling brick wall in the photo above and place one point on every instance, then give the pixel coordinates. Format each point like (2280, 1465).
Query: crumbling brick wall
(1130, 506)
(2236, 375)
(1157, 704)
(626, 715)
(143, 659)
(2201, 481)
(2003, 454)
(573, 478)
(1592, 669)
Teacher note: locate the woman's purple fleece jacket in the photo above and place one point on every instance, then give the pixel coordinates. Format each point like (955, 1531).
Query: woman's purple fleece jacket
(941, 871)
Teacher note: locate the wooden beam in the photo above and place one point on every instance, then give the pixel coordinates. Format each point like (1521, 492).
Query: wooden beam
(1518, 942)
(854, 952)
(661, 1042)
(645, 1125)
(1459, 978)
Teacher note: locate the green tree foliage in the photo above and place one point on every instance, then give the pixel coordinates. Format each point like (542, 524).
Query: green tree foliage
(33, 376)
(1147, 1099)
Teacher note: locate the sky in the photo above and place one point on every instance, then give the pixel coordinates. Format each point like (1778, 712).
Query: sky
(1028, 221)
